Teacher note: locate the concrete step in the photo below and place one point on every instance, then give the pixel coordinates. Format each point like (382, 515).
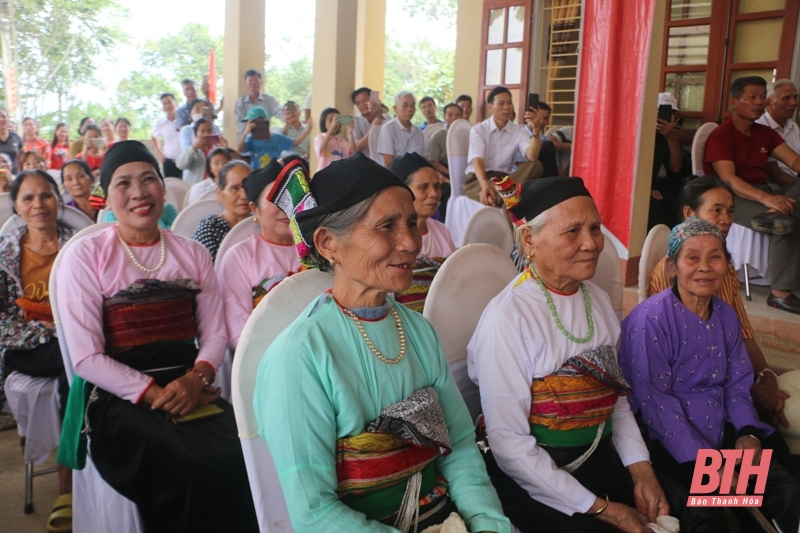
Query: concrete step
(776, 330)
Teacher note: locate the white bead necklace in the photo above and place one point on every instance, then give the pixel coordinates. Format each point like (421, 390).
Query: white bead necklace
(427, 250)
(136, 261)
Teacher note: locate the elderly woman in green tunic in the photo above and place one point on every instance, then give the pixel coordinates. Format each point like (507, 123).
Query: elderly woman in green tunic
(355, 400)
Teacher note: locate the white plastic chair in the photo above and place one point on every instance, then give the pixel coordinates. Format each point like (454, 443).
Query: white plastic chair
(372, 143)
(237, 234)
(96, 506)
(188, 219)
(748, 248)
(456, 301)
(459, 207)
(699, 147)
(428, 132)
(608, 275)
(6, 209)
(208, 195)
(178, 188)
(489, 225)
(72, 217)
(654, 249)
(279, 308)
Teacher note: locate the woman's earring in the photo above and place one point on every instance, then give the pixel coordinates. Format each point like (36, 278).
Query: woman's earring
(332, 261)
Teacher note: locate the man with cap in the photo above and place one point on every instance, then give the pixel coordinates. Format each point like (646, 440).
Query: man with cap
(254, 98)
(671, 166)
(262, 144)
(562, 447)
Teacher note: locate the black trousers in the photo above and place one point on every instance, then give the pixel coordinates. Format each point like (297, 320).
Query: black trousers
(171, 170)
(603, 473)
(44, 361)
(781, 495)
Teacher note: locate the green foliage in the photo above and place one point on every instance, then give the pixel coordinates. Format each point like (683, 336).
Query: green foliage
(440, 11)
(421, 68)
(58, 42)
(289, 82)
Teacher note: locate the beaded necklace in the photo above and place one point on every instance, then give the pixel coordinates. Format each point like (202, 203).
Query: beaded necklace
(371, 346)
(586, 301)
(136, 261)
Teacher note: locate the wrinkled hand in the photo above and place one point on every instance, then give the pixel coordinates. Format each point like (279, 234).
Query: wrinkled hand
(769, 400)
(667, 129)
(650, 498)
(624, 518)
(488, 194)
(747, 442)
(181, 395)
(779, 203)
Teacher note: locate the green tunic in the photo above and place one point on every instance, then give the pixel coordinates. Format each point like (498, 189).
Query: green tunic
(319, 382)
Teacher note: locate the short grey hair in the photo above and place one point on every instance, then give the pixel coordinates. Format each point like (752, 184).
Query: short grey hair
(340, 223)
(535, 225)
(783, 82)
(222, 179)
(402, 94)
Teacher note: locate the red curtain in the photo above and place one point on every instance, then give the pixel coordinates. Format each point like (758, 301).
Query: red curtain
(615, 43)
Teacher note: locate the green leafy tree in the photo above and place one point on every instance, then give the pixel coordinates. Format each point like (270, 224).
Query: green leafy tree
(57, 43)
(289, 82)
(440, 11)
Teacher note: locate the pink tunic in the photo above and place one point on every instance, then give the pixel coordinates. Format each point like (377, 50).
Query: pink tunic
(243, 267)
(437, 240)
(96, 267)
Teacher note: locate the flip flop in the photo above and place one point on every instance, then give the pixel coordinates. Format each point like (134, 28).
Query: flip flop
(7, 421)
(60, 519)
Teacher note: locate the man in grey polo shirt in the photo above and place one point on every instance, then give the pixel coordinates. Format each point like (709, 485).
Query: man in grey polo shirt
(370, 115)
(399, 136)
(292, 129)
(254, 98)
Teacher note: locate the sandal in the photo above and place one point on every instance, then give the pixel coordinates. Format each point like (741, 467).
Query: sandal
(60, 519)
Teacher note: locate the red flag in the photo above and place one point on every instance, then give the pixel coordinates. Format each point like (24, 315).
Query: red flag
(212, 78)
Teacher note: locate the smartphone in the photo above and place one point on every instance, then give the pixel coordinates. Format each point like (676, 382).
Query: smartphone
(207, 113)
(214, 139)
(665, 112)
(344, 120)
(533, 100)
(375, 96)
(261, 131)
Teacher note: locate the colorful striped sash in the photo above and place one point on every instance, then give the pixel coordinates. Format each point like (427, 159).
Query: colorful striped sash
(372, 467)
(581, 394)
(150, 311)
(425, 268)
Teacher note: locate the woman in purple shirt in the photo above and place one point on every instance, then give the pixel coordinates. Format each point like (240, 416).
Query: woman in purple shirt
(683, 355)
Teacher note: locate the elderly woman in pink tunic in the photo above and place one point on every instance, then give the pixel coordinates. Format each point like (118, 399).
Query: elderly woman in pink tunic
(437, 245)
(135, 302)
(251, 268)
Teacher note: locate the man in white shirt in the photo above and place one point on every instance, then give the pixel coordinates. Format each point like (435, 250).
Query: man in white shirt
(254, 98)
(166, 128)
(781, 107)
(370, 115)
(399, 136)
(496, 144)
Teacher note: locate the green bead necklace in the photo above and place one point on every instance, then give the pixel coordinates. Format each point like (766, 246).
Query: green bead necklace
(587, 302)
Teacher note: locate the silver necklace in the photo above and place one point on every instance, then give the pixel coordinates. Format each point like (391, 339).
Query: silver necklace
(136, 261)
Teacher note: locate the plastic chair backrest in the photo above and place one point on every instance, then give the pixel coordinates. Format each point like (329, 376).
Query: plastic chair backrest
(237, 234)
(699, 147)
(428, 132)
(208, 195)
(188, 219)
(72, 217)
(608, 275)
(459, 293)
(457, 151)
(489, 225)
(53, 287)
(6, 209)
(654, 249)
(178, 188)
(273, 314)
(372, 142)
